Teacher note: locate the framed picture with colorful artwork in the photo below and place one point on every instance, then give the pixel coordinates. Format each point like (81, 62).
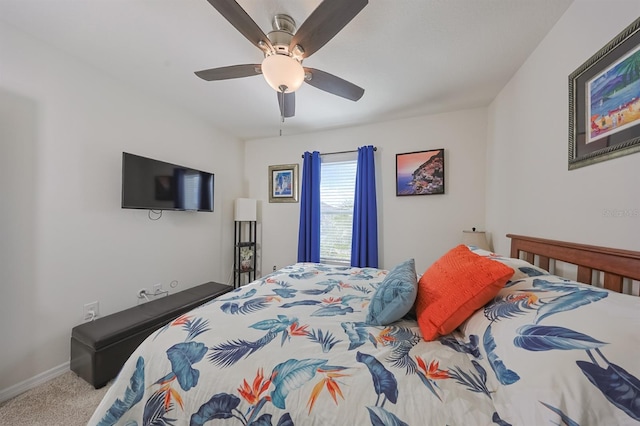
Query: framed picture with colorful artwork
(420, 173)
(604, 102)
(283, 183)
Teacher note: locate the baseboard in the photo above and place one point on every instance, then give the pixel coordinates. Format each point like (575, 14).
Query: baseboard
(18, 388)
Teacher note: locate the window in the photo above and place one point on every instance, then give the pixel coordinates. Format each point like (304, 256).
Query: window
(337, 189)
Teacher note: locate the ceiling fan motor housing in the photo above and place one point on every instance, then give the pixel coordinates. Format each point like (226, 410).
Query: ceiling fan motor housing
(283, 29)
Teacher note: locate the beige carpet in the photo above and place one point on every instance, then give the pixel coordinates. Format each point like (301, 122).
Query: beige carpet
(64, 401)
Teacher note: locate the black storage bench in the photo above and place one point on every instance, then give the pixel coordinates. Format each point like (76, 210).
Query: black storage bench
(100, 348)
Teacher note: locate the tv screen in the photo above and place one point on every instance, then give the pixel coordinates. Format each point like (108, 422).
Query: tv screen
(157, 185)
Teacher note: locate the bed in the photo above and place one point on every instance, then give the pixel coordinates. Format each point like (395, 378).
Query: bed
(299, 347)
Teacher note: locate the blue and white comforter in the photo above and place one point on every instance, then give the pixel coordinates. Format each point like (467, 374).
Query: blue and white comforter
(293, 348)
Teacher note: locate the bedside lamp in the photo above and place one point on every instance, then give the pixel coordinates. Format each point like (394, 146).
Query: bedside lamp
(475, 238)
(245, 210)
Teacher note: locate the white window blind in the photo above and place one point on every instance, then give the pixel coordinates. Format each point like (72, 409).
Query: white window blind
(192, 191)
(337, 189)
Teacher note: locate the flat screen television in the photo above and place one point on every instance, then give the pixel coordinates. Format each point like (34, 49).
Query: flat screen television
(156, 185)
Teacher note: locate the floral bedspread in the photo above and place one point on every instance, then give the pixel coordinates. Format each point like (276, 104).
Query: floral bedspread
(293, 348)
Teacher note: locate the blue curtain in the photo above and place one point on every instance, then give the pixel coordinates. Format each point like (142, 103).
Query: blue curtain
(309, 231)
(364, 240)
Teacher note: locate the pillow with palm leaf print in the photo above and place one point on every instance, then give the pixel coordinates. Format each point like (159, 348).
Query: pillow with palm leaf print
(395, 295)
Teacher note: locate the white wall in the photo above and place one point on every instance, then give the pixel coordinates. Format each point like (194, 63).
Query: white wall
(422, 227)
(530, 191)
(64, 240)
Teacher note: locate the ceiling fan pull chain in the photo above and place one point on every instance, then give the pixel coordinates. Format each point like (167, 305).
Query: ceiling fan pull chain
(282, 90)
(281, 94)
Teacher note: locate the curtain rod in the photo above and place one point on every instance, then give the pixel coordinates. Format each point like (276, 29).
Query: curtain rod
(375, 148)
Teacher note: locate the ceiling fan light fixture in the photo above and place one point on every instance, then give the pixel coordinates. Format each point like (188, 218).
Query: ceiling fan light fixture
(282, 71)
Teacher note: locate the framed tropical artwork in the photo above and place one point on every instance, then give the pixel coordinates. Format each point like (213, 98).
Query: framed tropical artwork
(604, 102)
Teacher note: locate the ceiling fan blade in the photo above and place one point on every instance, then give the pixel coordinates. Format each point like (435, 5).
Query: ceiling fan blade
(233, 71)
(242, 22)
(288, 104)
(324, 23)
(334, 85)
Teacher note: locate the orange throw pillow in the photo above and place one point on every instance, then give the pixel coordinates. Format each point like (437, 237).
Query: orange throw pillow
(454, 287)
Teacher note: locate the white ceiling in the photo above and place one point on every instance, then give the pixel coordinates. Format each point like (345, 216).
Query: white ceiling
(412, 57)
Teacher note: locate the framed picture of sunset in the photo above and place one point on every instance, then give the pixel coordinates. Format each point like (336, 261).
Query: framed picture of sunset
(420, 173)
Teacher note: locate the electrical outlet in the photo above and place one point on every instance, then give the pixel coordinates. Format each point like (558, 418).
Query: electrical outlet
(274, 268)
(91, 311)
(157, 289)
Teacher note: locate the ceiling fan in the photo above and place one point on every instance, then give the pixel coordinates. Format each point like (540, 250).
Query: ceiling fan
(285, 48)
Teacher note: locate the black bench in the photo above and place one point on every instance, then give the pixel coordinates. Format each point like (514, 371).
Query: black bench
(100, 348)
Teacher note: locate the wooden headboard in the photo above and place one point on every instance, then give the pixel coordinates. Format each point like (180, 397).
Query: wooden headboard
(615, 264)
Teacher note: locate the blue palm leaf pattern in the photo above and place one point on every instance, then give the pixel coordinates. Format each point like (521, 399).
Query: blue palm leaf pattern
(357, 333)
(509, 306)
(332, 310)
(302, 275)
(497, 420)
(182, 356)
(362, 289)
(532, 272)
(403, 341)
(291, 375)
(470, 347)
(570, 301)
(616, 384)
(512, 283)
(285, 293)
(316, 292)
(285, 420)
(275, 325)
(558, 285)
(384, 382)
(132, 395)
(228, 353)
(381, 417)
(348, 298)
(503, 374)
(565, 419)
(248, 307)
(473, 382)
(263, 420)
(195, 327)
(220, 406)
(326, 340)
(545, 338)
(246, 295)
(155, 411)
(301, 303)
(363, 275)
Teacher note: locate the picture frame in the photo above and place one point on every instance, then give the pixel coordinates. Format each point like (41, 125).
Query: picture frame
(604, 114)
(283, 183)
(420, 173)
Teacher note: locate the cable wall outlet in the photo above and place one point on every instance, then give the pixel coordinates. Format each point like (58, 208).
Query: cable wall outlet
(91, 311)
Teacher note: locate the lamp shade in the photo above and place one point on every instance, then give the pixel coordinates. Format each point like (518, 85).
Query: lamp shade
(475, 238)
(282, 71)
(245, 210)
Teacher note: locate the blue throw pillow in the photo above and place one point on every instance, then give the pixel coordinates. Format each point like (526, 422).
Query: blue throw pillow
(395, 295)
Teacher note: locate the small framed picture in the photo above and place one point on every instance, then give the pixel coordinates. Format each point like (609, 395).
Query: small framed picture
(283, 183)
(420, 173)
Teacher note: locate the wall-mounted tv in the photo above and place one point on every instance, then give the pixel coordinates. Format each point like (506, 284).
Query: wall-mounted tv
(156, 185)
